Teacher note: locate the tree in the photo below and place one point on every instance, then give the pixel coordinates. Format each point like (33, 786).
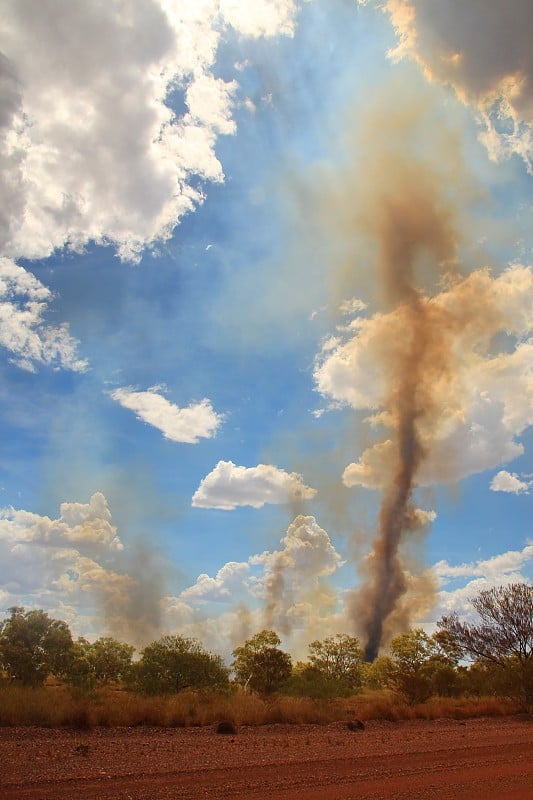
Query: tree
(338, 658)
(260, 664)
(410, 653)
(80, 671)
(174, 663)
(377, 674)
(33, 646)
(111, 659)
(504, 635)
(104, 661)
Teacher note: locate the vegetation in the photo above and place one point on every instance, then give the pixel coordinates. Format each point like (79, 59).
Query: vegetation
(338, 658)
(422, 666)
(503, 637)
(100, 663)
(334, 669)
(55, 706)
(175, 663)
(49, 679)
(33, 646)
(259, 663)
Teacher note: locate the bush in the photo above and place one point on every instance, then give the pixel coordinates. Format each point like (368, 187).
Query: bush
(259, 663)
(175, 663)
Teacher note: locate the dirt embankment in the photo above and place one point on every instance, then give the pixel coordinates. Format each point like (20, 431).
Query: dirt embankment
(479, 759)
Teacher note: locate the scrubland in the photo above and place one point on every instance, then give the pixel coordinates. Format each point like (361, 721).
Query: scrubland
(60, 706)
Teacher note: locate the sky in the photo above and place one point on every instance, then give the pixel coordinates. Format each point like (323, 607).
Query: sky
(265, 314)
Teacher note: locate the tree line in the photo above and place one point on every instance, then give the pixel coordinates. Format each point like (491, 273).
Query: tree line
(491, 656)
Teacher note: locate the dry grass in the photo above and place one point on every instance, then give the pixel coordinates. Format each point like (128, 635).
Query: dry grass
(56, 706)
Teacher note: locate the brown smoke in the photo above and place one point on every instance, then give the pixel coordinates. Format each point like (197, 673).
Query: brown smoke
(292, 585)
(131, 601)
(411, 404)
(412, 222)
(400, 213)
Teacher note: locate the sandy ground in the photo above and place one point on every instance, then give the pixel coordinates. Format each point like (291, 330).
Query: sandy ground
(490, 759)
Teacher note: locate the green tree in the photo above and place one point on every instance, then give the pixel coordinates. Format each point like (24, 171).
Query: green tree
(307, 681)
(377, 674)
(338, 658)
(80, 671)
(33, 646)
(112, 659)
(442, 665)
(104, 661)
(260, 664)
(410, 653)
(446, 648)
(174, 663)
(503, 636)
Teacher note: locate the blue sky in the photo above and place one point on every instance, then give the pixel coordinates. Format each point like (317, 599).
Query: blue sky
(212, 213)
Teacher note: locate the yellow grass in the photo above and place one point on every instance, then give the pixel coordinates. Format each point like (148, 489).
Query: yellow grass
(55, 706)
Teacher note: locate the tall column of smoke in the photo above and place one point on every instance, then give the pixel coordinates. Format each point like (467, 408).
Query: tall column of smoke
(411, 222)
(447, 389)
(411, 227)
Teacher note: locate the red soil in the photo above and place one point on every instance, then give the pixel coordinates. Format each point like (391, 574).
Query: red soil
(479, 759)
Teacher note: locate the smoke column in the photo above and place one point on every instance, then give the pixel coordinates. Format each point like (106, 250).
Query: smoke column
(410, 402)
(412, 226)
(409, 217)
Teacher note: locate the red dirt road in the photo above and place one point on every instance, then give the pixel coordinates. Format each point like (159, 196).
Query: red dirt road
(481, 759)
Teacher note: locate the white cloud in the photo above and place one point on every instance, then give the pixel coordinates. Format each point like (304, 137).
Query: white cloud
(77, 567)
(352, 306)
(83, 524)
(484, 52)
(188, 425)
(288, 583)
(260, 17)
(23, 329)
(505, 481)
(228, 486)
(307, 554)
(90, 149)
(483, 574)
(223, 588)
(64, 563)
(494, 568)
(477, 408)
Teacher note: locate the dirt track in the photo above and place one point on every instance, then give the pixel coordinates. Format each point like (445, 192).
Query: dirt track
(479, 759)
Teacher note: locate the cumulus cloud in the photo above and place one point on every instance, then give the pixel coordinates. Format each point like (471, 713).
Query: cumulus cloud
(189, 425)
(222, 588)
(91, 149)
(288, 583)
(481, 406)
(24, 331)
(228, 486)
(83, 524)
(484, 52)
(76, 566)
(64, 562)
(484, 574)
(292, 585)
(509, 482)
(307, 551)
(257, 18)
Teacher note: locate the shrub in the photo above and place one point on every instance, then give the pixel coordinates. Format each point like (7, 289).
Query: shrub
(175, 663)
